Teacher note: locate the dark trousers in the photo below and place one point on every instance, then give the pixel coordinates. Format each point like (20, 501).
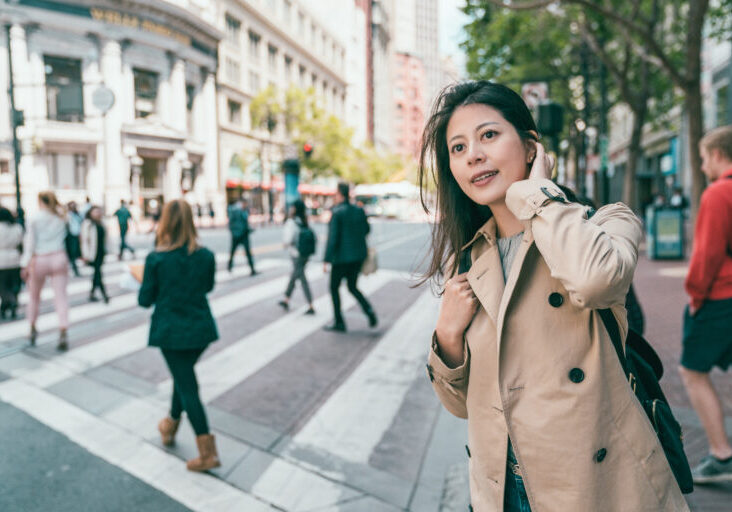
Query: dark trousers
(73, 251)
(123, 243)
(349, 272)
(9, 289)
(236, 241)
(97, 282)
(185, 387)
(298, 274)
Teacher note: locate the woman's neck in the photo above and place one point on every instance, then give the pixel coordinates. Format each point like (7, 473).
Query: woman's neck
(507, 224)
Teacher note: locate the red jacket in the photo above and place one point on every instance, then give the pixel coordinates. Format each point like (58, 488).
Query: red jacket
(710, 270)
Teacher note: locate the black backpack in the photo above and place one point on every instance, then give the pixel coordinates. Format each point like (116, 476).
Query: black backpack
(644, 370)
(306, 242)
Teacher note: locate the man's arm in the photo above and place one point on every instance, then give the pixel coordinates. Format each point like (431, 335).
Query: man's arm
(711, 240)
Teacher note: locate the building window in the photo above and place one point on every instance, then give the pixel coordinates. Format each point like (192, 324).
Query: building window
(146, 92)
(301, 24)
(313, 34)
(4, 167)
(233, 29)
(302, 75)
(253, 82)
(272, 57)
(254, 45)
(234, 112)
(288, 10)
(233, 71)
(288, 67)
(722, 101)
(64, 90)
(190, 98)
(67, 171)
(313, 80)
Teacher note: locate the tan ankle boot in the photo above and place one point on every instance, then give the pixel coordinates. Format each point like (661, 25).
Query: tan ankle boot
(207, 458)
(168, 427)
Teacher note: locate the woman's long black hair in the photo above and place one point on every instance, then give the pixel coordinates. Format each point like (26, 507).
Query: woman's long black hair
(458, 217)
(300, 211)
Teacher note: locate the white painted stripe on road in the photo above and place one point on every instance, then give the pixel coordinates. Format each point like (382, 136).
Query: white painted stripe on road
(130, 453)
(234, 364)
(49, 321)
(98, 353)
(112, 273)
(354, 419)
(674, 271)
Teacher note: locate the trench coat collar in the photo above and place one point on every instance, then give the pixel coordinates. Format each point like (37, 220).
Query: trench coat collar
(486, 272)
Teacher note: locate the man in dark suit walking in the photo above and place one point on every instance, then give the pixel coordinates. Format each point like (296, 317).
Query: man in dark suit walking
(239, 228)
(346, 251)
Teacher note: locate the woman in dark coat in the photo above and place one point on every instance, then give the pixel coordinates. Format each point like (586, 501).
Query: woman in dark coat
(177, 277)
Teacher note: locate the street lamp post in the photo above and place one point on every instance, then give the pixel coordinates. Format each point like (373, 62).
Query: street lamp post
(17, 119)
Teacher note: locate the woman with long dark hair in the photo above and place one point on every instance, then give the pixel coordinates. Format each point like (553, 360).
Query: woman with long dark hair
(44, 256)
(519, 348)
(178, 275)
(295, 232)
(11, 239)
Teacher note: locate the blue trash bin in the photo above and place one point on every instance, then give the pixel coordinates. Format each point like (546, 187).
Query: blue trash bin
(665, 233)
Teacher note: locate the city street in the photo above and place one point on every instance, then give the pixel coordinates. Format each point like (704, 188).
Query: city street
(306, 420)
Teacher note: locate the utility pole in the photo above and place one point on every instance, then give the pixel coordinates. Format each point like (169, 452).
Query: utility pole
(17, 119)
(604, 138)
(582, 171)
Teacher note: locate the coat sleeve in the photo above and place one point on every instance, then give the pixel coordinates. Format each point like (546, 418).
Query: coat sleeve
(149, 288)
(210, 272)
(594, 259)
(29, 244)
(334, 234)
(451, 384)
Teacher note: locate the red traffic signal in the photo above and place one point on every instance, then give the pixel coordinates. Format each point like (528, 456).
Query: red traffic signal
(307, 148)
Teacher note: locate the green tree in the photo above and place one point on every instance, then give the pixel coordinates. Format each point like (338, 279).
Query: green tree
(675, 50)
(306, 121)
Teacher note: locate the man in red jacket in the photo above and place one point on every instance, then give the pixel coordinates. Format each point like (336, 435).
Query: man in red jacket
(707, 336)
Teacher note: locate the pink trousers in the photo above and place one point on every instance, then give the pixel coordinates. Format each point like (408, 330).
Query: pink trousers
(55, 266)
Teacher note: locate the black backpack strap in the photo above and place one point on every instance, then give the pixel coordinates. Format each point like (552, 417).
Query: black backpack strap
(611, 324)
(465, 261)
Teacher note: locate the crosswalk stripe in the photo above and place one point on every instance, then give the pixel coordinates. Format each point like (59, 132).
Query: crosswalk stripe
(111, 271)
(98, 353)
(353, 420)
(48, 321)
(129, 452)
(232, 365)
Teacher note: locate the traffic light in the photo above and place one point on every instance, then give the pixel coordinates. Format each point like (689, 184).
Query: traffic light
(307, 148)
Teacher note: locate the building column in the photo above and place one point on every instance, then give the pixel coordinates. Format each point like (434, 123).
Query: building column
(210, 172)
(177, 99)
(116, 173)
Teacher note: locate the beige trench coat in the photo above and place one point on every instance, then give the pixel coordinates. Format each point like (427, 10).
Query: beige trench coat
(540, 367)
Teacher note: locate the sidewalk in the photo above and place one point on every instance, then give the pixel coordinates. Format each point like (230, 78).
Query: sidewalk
(660, 289)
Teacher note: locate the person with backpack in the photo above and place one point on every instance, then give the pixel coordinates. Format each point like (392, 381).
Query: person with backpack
(706, 339)
(300, 241)
(520, 347)
(11, 242)
(178, 275)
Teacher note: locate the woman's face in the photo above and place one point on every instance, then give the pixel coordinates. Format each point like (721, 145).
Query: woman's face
(96, 213)
(486, 153)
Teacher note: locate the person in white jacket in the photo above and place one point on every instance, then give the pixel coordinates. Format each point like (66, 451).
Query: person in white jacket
(11, 239)
(44, 255)
(93, 249)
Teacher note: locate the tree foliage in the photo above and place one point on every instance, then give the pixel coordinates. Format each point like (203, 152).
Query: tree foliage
(306, 121)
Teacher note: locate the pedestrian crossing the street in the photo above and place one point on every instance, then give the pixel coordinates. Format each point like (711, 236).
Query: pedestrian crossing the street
(306, 420)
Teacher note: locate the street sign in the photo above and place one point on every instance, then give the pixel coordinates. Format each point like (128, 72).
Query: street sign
(103, 98)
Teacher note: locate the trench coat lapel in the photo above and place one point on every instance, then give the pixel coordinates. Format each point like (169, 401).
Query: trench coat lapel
(527, 241)
(486, 273)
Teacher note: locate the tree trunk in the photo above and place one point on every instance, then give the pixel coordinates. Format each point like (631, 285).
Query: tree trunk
(693, 105)
(634, 152)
